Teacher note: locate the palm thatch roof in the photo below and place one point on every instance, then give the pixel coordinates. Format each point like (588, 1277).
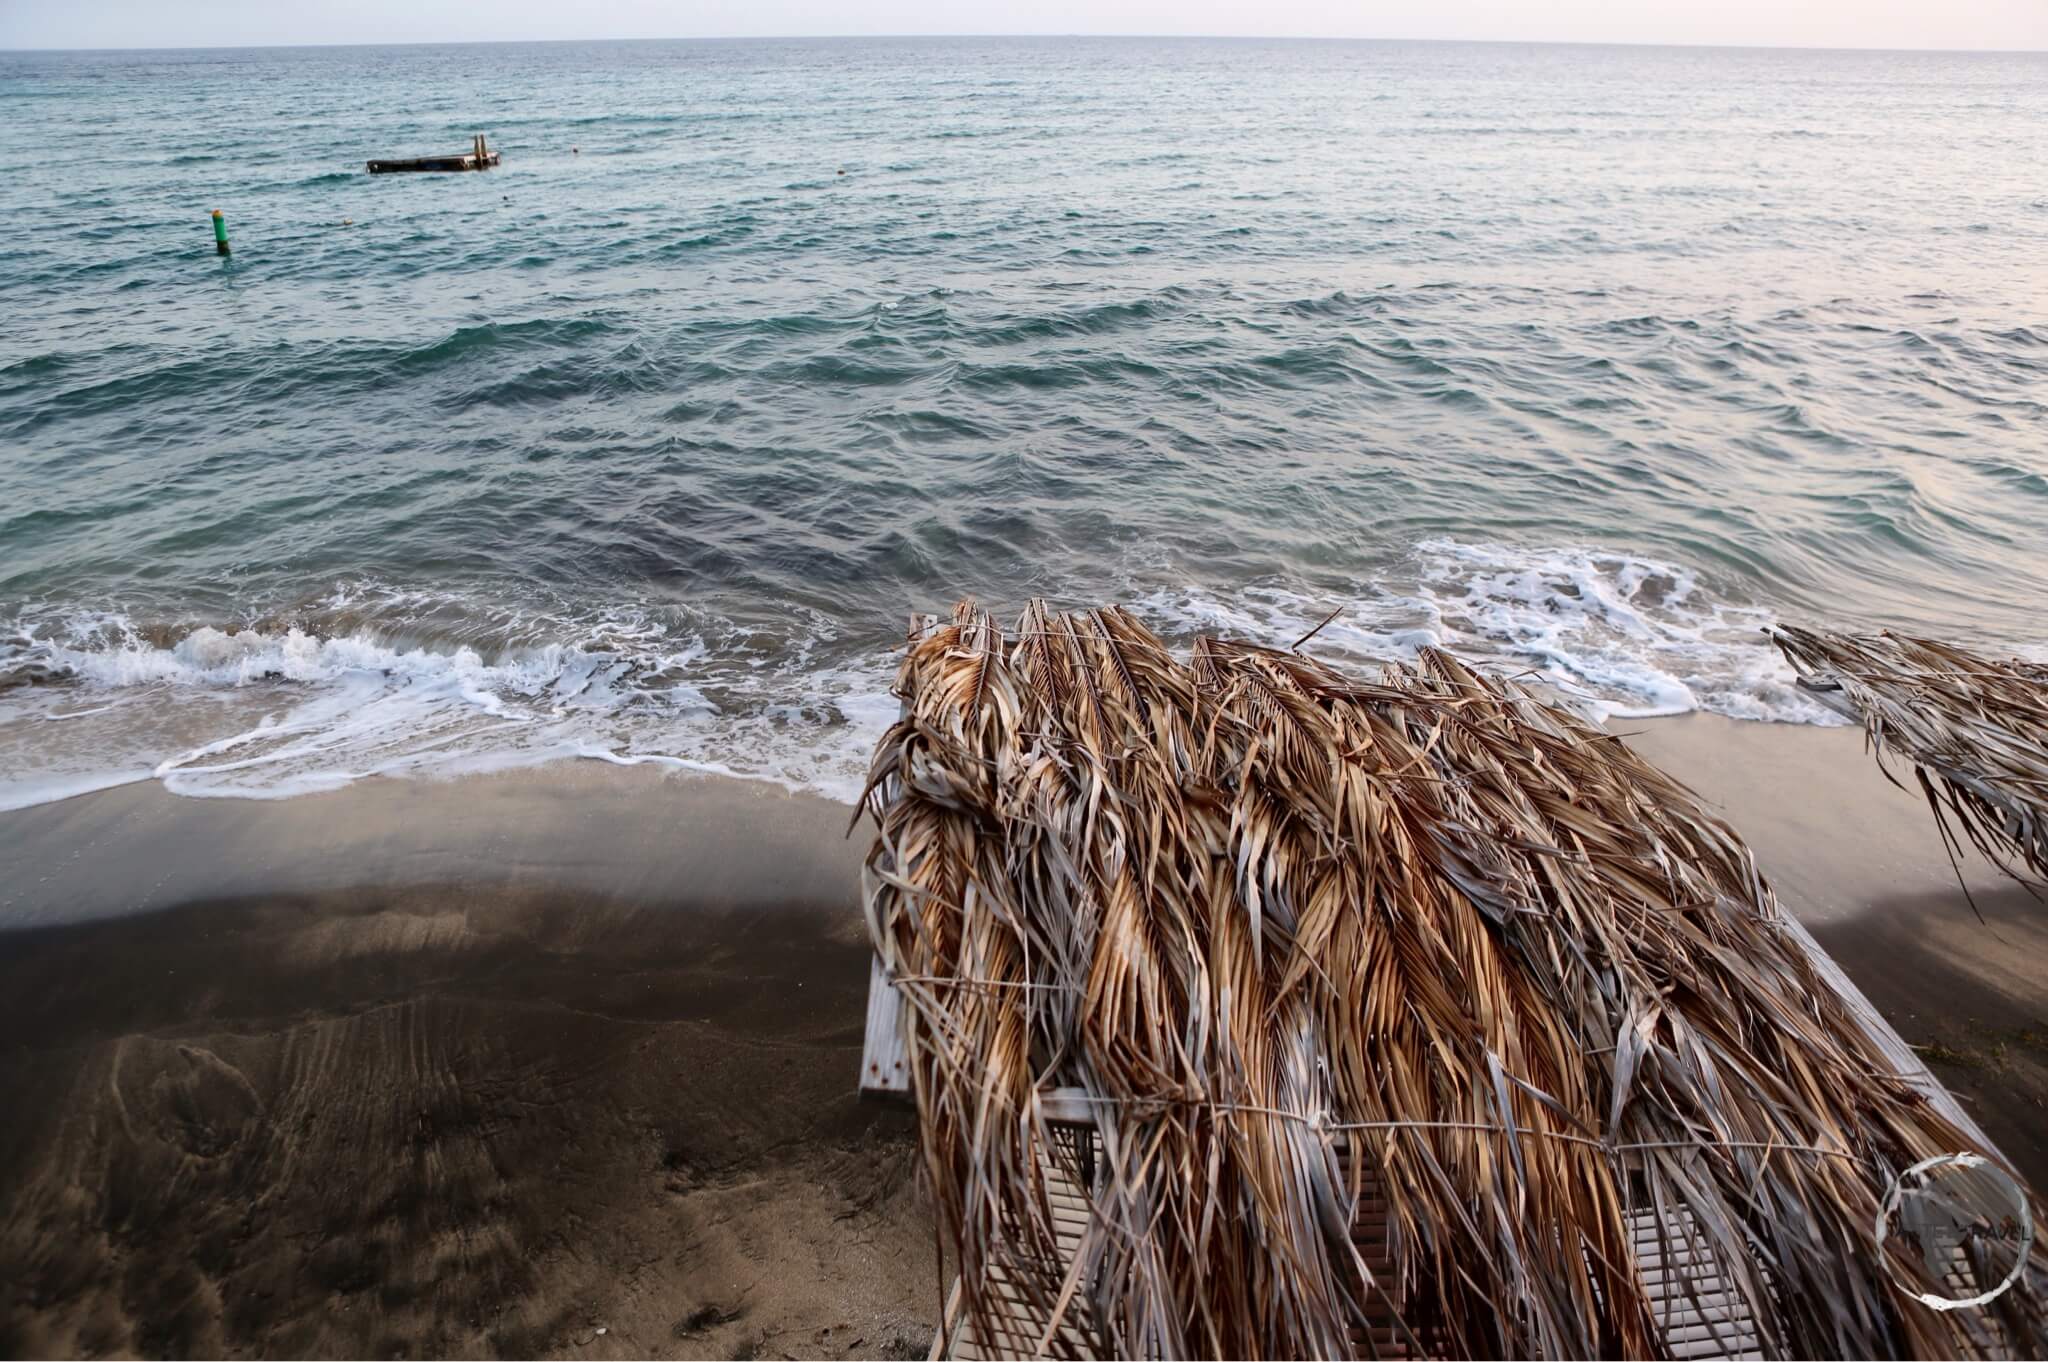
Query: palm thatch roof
(1974, 728)
(1281, 933)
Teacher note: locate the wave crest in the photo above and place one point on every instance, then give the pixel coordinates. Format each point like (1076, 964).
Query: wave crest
(1620, 635)
(373, 680)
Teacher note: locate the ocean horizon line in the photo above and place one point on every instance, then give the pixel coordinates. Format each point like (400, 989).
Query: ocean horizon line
(1055, 36)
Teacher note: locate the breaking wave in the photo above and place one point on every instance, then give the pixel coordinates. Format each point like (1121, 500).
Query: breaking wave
(1617, 635)
(376, 681)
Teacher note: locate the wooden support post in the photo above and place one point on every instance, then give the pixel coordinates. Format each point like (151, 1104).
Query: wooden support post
(884, 1067)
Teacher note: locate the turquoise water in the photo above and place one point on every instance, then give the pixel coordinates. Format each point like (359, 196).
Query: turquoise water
(1589, 361)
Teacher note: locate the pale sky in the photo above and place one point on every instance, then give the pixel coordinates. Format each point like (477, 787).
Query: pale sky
(1991, 24)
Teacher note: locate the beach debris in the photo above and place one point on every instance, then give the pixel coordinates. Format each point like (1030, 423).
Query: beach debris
(708, 1316)
(1280, 935)
(1974, 728)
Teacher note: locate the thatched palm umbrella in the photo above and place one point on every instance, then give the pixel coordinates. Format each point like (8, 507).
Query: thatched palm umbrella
(1285, 929)
(1974, 728)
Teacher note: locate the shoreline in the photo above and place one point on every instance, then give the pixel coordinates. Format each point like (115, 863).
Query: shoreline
(638, 834)
(482, 1065)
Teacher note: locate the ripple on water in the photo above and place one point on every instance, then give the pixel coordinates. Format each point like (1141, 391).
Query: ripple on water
(648, 448)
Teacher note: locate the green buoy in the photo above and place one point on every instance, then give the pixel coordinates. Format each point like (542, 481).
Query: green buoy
(220, 233)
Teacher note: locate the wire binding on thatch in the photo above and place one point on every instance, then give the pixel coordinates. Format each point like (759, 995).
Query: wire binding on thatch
(1975, 729)
(1247, 904)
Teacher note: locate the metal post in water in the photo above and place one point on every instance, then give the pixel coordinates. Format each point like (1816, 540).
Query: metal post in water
(220, 233)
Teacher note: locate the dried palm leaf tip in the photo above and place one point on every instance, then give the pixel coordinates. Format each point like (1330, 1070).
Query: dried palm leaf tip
(1975, 730)
(1292, 934)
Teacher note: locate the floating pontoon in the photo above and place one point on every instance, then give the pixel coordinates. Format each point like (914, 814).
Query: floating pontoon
(479, 157)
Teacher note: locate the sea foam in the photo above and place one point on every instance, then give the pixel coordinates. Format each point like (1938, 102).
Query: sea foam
(279, 710)
(1617, 634)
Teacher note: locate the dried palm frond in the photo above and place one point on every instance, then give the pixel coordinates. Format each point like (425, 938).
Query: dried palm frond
(1289, 933)
(1975, 729)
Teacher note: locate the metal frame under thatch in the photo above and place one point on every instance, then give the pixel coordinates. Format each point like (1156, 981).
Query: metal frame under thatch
(1695, 1313)
(1267, 932)
(1974, 728)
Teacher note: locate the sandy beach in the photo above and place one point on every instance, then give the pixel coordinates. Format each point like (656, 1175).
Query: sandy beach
(554, 1064)
(1862, 866)
(562, 1062)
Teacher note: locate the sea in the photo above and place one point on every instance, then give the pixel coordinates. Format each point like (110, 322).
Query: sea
(1589, 363)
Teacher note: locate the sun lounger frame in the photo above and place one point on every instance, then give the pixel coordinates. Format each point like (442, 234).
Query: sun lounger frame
(1710, 1320)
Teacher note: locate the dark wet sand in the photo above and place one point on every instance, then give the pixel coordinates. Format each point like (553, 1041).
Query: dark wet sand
(482, 1067)
(486, 1115)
